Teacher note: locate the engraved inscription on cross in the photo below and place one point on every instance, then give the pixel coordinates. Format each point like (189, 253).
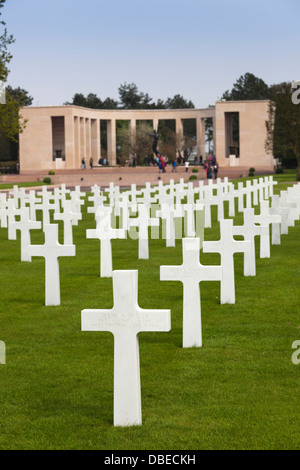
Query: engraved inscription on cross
(125, 321)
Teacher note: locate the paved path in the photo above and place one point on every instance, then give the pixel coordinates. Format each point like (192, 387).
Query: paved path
(125, 176)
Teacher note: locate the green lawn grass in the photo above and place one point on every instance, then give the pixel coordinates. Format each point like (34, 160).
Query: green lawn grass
(22, 185)
(239, 391)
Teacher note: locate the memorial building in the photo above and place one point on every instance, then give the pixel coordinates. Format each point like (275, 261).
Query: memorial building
(58, 137)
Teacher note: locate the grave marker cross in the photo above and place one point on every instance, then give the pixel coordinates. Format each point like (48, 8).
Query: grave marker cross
(125, 321)
(25, 225)
(265, 219)
(69, 219)
(249, 230)
(227, 246)
(105, 233)
(143, 221)
(191, 273)
(51, 251)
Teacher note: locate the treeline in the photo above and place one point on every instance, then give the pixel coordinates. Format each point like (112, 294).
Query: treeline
(129, 98)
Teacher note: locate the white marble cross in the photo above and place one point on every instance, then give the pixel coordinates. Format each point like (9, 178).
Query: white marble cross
(240, 196)
(33, 199)
(271, 183)
(125, 321)
(69, 219)
(261, 189)
(248, 190)
(143, 221)
(98, 200)
(168, 213)
(46, 205)
(191, 273)
(278, 228)
(15, 195)
(114, 201)
(3, 210)
(294, 197)
(148, 198)
(76, 203)
(23, 198)
(292, 206)
(63, 191)
(51, 251)
(133, 193)
(255, 192)
(12, 213)
(249, 231)
(266, 219)
(191, 229)
(126, 209)
(105, 233)
(25, 225)
(178, 194)
(226, 247)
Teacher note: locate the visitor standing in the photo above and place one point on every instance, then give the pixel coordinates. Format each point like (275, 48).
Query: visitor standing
(174, 165)
(209, 172)
(186, 164)
(83, 163)
(216, 168)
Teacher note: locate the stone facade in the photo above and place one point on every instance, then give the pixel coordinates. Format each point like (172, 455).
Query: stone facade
(59, 137)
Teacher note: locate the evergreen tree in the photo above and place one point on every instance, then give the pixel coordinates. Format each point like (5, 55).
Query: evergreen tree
(248, 87)
(283, 126)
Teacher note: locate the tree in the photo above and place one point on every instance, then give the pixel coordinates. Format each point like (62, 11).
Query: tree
(248, 87)
(92, 101)
(16, 98)
(283, 126)
(10, 121)
(178, 102)
(140, 146)
(5, 41)
(20, 95)
(131, 98)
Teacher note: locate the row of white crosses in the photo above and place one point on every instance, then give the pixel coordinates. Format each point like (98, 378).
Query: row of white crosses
(25, 206)
(126, 319)
(170, 208)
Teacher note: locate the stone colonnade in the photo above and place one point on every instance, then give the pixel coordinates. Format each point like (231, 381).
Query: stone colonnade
(82, 133)
(57, 137)
(87, 129)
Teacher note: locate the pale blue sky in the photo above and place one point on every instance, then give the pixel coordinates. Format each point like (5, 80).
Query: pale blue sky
(194, 48)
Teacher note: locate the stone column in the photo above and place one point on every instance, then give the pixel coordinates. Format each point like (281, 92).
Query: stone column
(88, 139)
(132, 129)
(179, 136)
(82, 139)
(69, 142)
(95, 140)
(200, 128)
(214, 135)
(111, 141)
(76, 142)
(155, 124)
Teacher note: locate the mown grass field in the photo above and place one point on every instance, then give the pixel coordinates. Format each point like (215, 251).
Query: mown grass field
(239, 391)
